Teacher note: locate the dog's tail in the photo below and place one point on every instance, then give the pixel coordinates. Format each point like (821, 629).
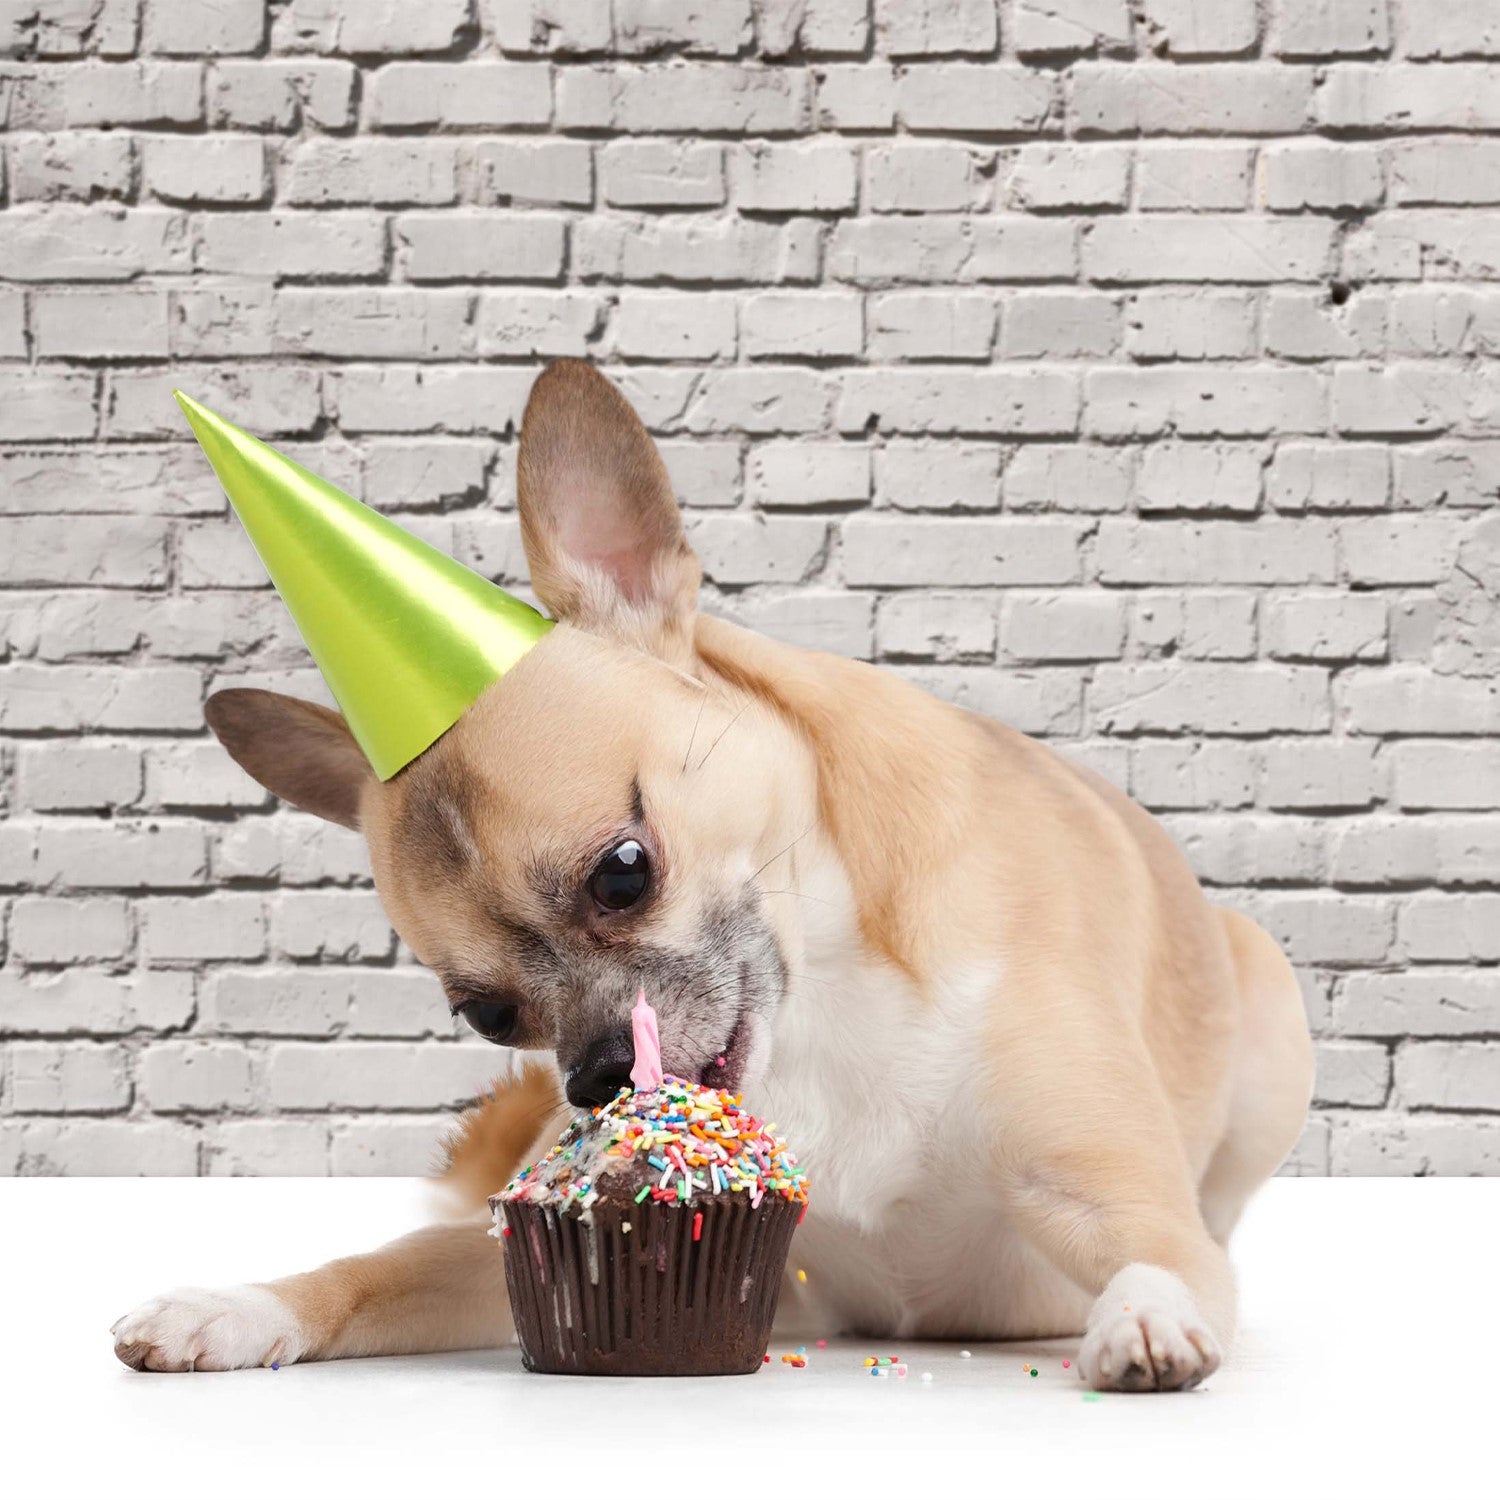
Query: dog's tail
(501, 1133)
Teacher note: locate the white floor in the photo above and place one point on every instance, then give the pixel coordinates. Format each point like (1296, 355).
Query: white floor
(1366, 1368)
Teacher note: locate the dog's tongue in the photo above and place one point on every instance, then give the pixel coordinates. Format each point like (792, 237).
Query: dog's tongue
(646, 1074)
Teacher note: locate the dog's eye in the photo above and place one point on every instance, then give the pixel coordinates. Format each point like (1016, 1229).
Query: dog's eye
(621, 878)
(493, 1021)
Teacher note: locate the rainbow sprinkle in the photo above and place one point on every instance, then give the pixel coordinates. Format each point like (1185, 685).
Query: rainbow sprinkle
(686, 1139)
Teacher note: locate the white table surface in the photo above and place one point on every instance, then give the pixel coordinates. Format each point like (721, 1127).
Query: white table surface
(1366, 1367)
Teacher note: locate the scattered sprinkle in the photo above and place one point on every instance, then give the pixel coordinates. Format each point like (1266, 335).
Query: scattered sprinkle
(1092, 1396)
(1033, 1372)
(275, 1364)
(1067, 1364)
(802, 1277)
(965, 1354)
(766, 1360)
(720, 1062)
(698, 1226)
(697, 1139)
(505, 1231)
(926, 1377)
(822, 1343)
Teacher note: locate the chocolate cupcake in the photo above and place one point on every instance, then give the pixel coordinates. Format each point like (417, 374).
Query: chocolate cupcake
(651, 1240)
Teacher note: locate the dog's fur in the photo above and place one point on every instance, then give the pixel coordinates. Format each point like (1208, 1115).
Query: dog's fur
(1033, 1073)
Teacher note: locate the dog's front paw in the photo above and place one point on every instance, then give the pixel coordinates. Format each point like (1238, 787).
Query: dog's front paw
(194, 1329)
(1145, 1333)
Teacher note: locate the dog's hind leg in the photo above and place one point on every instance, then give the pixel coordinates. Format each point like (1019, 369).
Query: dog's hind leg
(1272, 1076)
(442, 1287)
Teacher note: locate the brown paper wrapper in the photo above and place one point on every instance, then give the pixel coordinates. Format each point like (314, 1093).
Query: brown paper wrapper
(591, 1299)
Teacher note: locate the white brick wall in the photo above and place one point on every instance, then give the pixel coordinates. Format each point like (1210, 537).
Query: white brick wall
(1124, 370)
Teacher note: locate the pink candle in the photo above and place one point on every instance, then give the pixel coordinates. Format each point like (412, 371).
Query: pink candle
(646, 1074)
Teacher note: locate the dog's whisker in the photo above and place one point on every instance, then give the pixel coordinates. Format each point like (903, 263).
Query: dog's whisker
(725, 730)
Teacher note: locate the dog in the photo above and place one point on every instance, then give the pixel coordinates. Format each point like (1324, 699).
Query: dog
(1033, 1073)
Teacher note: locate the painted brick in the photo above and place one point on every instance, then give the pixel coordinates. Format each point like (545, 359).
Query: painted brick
(80, 165)
(77, 1001)
(298, 245)
(357, 27)
(479, 246)
(1203, 402)
(529, 171)
(461, 96)
(922, 177)
(662, 174)
(1196, 626)
(1449, 1075)
(1316, 476)
(1187, 28)
(281, 94)
(1218, 99)
(1039, 402)
(69, 930)
(1062, 627)
(1204, 174)
(383, 172)
(1315, 175)
(877, 550)
(930, 325)
(1059, 325)
(816, 177)
(188, 30)
(972, 98)
(932, 626)
(1047, 477)
(914, 28)
(1199, 476)
(1046, 27)
(1434, 774)
(1200, 324)
(1181, 248)
(1354, 1074)
(206, 169)
(683, 96)
(61, 1077)
(689, 250)
(195, 1076)
(1461, 96)
(1057, 176)
(1331, 28)
(1192, 774)
(1326, 627)
(534, 323)
(926, 476)
(1451, 1002)
(818, 324)
(1464, 28)
(782, 475)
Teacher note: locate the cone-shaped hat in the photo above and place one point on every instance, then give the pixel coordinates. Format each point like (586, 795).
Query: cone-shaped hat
(406, 637)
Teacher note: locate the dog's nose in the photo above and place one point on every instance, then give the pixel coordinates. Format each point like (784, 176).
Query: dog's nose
(601, 1069)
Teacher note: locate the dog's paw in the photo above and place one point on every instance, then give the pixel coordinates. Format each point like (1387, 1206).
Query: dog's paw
(194, 1329)
(1145, 1333)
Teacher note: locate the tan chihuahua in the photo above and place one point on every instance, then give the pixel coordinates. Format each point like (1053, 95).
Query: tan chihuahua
(1033, 1073)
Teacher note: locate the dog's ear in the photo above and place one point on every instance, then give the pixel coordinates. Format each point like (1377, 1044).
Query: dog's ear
(598, 515)
(300, 751)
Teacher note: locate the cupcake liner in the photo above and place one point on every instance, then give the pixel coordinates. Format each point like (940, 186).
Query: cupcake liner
(590, 1298)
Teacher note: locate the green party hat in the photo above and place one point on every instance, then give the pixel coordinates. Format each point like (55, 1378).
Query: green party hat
(406, 637)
